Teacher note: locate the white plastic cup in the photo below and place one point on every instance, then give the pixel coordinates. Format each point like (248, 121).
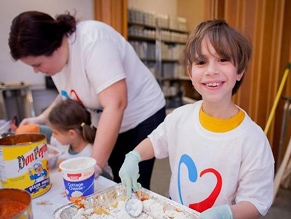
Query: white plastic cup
(79, 175)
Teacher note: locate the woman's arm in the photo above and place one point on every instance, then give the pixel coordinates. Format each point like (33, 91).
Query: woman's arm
(114, 101)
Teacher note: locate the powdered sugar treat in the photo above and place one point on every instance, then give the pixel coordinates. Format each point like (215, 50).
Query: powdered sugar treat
(111, 204)
(152, 210)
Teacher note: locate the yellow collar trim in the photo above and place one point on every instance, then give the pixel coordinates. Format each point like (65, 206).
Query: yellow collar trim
(220, 125)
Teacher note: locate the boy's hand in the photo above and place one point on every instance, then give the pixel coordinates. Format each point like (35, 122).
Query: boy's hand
(219, 212)
(129, 172)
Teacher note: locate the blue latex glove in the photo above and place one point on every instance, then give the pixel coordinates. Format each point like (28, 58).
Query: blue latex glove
(219, 212)
(129, 172)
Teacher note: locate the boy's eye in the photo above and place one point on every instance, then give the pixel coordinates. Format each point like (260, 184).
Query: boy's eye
(224, 60)
(200, 63)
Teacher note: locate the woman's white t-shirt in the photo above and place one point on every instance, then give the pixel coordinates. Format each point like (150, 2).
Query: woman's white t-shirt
(99, 57)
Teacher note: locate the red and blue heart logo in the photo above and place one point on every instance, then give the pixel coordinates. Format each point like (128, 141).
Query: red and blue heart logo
(193, 177)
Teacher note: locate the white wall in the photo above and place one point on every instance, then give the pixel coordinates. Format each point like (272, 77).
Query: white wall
(11, 71)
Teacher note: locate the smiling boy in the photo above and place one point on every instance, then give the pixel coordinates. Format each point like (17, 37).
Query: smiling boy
(221, 161)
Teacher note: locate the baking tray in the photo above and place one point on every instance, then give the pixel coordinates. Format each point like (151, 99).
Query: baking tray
(117, 193)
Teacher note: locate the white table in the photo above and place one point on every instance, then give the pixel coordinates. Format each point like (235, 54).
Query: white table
(45, 205)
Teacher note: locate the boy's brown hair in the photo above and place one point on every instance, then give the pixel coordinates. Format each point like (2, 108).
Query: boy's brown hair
(227, 42)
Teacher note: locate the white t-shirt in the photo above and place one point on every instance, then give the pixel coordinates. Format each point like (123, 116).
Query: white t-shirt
(99, 57)
(66, 154)
(86, 152)
(211, 169)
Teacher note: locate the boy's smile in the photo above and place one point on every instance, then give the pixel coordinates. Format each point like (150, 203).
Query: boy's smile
(214, 76)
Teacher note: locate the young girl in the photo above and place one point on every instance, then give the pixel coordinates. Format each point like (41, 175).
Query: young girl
(71, 127)
(221, 161)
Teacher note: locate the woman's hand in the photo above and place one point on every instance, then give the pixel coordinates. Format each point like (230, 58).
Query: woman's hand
(41, 119)
(32, 120)
(98, 171)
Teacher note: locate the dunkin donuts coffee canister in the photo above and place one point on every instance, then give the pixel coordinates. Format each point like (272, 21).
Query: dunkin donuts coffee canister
(24, 163)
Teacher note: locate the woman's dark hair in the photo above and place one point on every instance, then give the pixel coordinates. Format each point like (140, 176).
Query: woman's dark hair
(70, 114)
(34, 33)
(227, 42)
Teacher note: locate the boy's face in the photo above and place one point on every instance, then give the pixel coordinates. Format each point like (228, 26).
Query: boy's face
(213, 76)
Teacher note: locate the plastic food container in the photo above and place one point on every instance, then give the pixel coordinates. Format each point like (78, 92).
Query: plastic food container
(79, 176)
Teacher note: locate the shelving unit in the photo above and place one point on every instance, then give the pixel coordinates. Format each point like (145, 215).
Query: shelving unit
(142, 36)
(159, 41)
